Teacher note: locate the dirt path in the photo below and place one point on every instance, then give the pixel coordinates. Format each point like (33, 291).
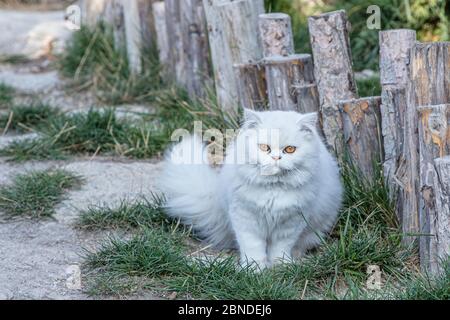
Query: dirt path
(41, 259)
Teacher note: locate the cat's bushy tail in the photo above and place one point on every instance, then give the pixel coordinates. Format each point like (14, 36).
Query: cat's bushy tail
(192, 193)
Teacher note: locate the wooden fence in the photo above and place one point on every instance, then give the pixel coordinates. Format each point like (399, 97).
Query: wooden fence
(248, 56)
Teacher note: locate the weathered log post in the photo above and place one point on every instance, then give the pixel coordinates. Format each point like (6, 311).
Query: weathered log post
(442, 189)
(147, 24)
(276, 34)
(131, 22)
(399, 126)
(115, 19)
(286, 77)
(252, 86)
(159, 17)
(333, 70)
(434, 139)
(307, 98)
(195, 45)
(395, 47)
(177, 56)
(289, 76)
(92, 11)
(139, 31)
(232, 32)
(362, 133)
(430, 69)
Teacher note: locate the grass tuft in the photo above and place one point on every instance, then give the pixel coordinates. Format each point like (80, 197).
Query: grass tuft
(92, 59)
(427, 287)
(36, 193)
(127, 215)
(369, 87)
(6, 95)
(100, 131)
(94, 132)
(23, 118)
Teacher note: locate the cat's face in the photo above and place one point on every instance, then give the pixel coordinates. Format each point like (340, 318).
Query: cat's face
(280, 141)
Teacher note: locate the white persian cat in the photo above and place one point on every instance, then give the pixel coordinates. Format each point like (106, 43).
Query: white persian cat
(278, 191)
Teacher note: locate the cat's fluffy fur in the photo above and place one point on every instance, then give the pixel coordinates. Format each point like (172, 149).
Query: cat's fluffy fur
(269, 209)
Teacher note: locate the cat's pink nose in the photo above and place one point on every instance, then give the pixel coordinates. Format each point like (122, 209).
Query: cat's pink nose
(276, 158)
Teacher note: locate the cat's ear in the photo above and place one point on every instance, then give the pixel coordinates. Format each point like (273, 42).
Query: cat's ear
(251, 119)
(308, 121)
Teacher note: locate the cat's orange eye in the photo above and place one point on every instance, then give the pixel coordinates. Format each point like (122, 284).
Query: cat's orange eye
(264, 147)
(289, 149)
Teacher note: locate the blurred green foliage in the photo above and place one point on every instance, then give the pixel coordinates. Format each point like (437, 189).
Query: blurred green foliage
(430, 18)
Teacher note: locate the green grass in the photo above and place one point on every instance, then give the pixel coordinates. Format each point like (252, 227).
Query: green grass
(91, 60)
(36, 193)
(142, 212)
(369, 87)
(425, 287)
(24, 118)
(366, 234)
(99, 131)
(6, 95)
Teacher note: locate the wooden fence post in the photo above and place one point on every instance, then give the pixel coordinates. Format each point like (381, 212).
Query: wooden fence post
(362, 133)
(195, 45)
(252, 86)
(399, 126)
(430, 69)
(177, 56)
(159, 17)
(434, 140)
(333, 70)
(307, 98)
(395, 47)
(133, 35)
(147, 24)
(276, 34)
(233, 38)
(92, 11)
(286, 76)
(442, 189)
(289, 76)
(115, 19)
